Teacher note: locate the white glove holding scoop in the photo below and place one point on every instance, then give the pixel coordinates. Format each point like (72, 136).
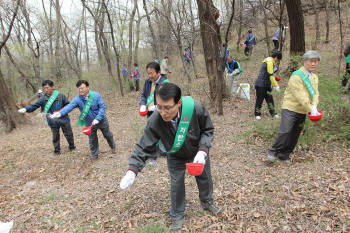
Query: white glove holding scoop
(200, 157)
(56, 115)
(22, 110)
(314, 111)
(127, 180)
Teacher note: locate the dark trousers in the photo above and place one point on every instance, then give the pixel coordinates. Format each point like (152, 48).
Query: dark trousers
(248, 51)
(346, 75)
(291, 126)
(177, 168)
(276, 44)
(262, 93)
(67, 132)
(93, 139)
(137, 84)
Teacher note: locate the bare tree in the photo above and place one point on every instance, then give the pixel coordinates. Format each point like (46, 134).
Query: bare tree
(131, 24)
(327, 20)
(8, 108)
(318, 35)
(154, 44)
(339, 6)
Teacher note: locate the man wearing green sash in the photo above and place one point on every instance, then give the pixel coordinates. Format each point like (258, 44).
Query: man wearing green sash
(185, 128)
(92, 108)
(148, 102)
(51, 102)
(300, 97)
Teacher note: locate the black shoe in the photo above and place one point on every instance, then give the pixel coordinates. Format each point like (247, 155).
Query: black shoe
(176, 225)
(212, 208)
(72, 148)
(113, 151)
(56, 153)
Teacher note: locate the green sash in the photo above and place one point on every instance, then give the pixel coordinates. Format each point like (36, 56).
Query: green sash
(306, 81)
(86, 109)
(150, 98)
(347, 59)
(239, 67)
(182, 129)
(51, 100)
(251, 38)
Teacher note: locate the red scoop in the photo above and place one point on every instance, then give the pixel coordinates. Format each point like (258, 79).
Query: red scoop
(315, 118)
(143, 113)
(87, 130)
(194, 169)
(278, 78)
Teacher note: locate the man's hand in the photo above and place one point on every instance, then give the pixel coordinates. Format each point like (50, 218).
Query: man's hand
(314, 111)
(276, 88)
(143, 108)
(200, 157)
(152, 108)
(55, 115)
(22, 110)
(127, 180)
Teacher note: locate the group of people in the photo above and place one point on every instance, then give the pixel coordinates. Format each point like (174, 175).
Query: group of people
(180, 127)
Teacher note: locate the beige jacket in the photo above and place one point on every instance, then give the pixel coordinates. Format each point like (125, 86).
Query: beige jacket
(297, 97)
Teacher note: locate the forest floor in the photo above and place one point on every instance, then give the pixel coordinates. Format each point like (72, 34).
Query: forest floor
(41, 192)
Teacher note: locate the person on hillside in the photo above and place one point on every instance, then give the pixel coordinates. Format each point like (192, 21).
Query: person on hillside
(92, 108)
(223, 49)
(164, 67)
(50, 102)
(265, 83)
(276, 37)
(300, 97)
(347, 61)
(136, 77)
(232, 74)
(187, 56)
(148, 102)
(125, 72)
(249, 43)
(185, 128)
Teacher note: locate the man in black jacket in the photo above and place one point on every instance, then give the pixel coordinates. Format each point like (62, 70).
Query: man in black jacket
(51, 102)
(186, 131)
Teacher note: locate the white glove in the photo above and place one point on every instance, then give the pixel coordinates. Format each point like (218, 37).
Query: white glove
(236, 71)
(200, 157)
(152, 108)
(22, 110)
(40, 91)
(143, 108)
(276, 89)
(127, 180)
(56, 115)
(95, 122)
(314, 111)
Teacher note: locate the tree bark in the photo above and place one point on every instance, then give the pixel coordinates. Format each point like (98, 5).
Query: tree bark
(57, 41)
(131, 24)
(327, 21)
(86, 41)
(317, 39)
(239, 32)
(154, 43)
(296, 22)
(341, 35)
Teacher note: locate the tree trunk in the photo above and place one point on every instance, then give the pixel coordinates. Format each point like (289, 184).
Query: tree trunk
(137, 40)
(57, 41)
(341, 35)
(86, 41)
(317, 39)
(267, 36)
(210, 32)
(327, 20)
(131, 24)
(297, 33)
(239, 32)
(115, 49)
(154, 43)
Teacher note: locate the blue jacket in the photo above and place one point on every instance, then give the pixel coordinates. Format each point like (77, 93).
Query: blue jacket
(147, 89)
(59, 103)
(231, 66)
(97, 109)
(250, 42)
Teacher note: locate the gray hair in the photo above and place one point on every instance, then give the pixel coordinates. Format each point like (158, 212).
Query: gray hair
(311, 54)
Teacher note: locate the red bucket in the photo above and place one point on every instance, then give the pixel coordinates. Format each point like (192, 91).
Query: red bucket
(315, 118)
(278, 78)
(87, 130)
(143, 113)
(194, 169)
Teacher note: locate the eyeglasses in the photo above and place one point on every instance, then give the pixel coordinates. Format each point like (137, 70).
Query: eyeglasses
(165, 108)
